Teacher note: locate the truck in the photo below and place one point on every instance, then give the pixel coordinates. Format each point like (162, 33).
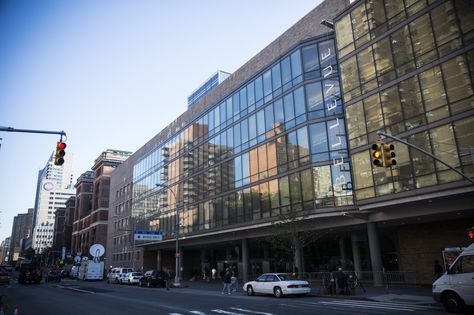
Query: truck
(91, 270)
(455, 288)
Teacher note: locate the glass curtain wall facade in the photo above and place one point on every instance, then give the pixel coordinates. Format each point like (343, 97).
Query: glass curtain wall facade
(407, 68)
(276, 144)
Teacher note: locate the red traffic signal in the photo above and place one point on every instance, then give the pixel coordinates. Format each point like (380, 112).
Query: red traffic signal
(470, 234)
(60, 153)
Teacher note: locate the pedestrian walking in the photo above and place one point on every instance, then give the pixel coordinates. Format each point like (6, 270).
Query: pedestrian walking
(167, 278)
(341, 280)
(226, 279)
(234, 283)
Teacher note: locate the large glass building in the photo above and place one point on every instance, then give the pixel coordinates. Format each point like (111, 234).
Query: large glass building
(272, 170)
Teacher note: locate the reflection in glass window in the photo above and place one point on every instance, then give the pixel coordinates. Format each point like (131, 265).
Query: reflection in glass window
(434, 95)
(323, 193)
(360, 26)
(444, 147)
(327, 56)
(319, 142)
(310, 61)
(350, 78)
(362, 170)
(373, 113)
(465, 138)
(445, 27)
(383, 61)
(344, 38)
(422, 164)
(412, 104)
(296, 67)
(366, 69)
(458, 83)
(402, 50)
(342, 183)
(314, 95)
(423, 41)
(356, 126)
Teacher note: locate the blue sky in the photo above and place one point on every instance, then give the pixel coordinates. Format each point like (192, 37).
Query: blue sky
(112, 74)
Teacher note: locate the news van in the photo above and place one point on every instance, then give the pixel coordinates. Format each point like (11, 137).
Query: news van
(455, 288)
(91, 270)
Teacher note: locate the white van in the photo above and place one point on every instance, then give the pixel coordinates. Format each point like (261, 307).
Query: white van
(455, 289)
(115, 273)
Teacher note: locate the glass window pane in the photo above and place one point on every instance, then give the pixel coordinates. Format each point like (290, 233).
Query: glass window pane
(289, 107)
(296, 67)
(423, 40)
(300, 105)
(310, 61)
(295, 191)
(366, 63)
(433, 91)
(442, 139)
(356, 125)
(392, 111)
(284, 191)
(303, 144)
(344, 35)
(350, 78)
(319, 142)
(269, 121)
(314, 96)
(458, 83)
(362, 170)
(464, 10)
(422, 163)
(383, 61)
(323, 192)
(465, 140)
(267, 83)
(444, 23)
(243, 99)
(258, 89)
(252, 127)
(251, 93)
(402, 51)
(411, 102)
(373, 113)
(279, 115)
(286, 70)
(360, 27)
(276, 77)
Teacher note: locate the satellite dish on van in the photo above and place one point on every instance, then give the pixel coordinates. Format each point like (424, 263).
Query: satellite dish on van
(97, 250)
(85, 258)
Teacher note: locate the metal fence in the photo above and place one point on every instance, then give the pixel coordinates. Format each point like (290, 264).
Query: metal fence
(325, 282)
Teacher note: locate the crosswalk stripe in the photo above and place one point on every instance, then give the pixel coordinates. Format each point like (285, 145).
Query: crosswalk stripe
(197, 312)
(249, 311)
(370, 306)
(421, 307)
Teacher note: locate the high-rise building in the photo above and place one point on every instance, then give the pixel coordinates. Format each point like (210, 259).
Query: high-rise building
(22, 228)
(272, 170)
(54, 187)
(92, 202)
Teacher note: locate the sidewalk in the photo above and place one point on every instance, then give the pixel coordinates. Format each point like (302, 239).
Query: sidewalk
(420, 295)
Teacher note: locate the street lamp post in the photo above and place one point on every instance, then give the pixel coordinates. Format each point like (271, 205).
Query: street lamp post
(176, 278)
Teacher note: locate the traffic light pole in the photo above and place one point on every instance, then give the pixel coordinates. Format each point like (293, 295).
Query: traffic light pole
(11, 129)
(424, 152)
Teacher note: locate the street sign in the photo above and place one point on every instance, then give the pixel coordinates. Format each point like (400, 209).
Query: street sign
(148, 235)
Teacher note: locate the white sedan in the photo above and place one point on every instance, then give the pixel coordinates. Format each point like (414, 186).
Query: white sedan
(278, 284)
(130, 278)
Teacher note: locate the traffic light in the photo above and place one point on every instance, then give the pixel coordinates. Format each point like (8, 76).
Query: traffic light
(470, 234)
(377, 154)
(60, 153)
(389, 155)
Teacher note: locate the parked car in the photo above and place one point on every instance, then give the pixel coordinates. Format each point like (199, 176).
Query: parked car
(53, 275)
(131, 278)
(153, 278)
(115, 273)
(278, 284)
(5, 277)
(455, 288)
(29, 272)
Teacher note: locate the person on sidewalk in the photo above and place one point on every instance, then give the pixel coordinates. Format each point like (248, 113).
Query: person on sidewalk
(227, 279)
(341, 279)
(167, 278)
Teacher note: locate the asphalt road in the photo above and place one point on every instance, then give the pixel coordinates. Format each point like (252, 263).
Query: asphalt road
(71, 297)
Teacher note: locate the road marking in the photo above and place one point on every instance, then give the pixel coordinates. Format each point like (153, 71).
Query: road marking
(197, 312)
(249, 311)
(226, 312)
(378, 305)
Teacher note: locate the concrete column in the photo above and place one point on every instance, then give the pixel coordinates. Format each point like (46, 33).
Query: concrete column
(298, 255)
(375, 256)
(342, 253)
(356, 254)
(159, 260)
(245, 261)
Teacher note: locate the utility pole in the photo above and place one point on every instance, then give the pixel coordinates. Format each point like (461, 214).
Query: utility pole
(424, 152)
